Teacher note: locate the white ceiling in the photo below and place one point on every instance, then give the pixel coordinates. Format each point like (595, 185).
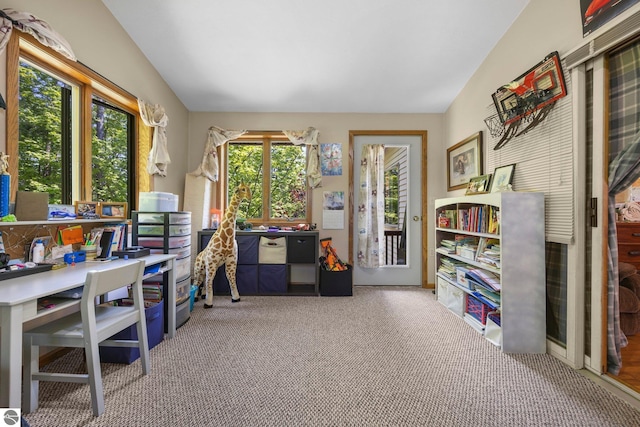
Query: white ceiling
(365, 56)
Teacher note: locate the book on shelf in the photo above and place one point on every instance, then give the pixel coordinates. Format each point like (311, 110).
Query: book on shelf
(484, 278)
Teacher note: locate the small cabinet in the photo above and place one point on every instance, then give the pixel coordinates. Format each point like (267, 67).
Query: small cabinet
(294, 273)
(168, 233)
(629, 242)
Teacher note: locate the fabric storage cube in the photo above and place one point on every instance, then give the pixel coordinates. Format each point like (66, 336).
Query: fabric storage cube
(301, 249)
(272, 279)
(443, 292)
(336, 283)
(272, 250)
(457, 300)
(154, 315)
(247, 279)
(247, 249)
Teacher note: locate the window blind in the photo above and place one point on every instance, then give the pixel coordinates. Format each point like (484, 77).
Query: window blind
(544, 163)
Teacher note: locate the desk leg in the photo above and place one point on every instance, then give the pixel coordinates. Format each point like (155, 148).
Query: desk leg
(171, 300)
(10, 356)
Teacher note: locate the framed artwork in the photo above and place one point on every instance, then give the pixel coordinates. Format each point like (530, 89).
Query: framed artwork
(479, 184)
(502, 177)
(87, 210)
(464, 161)
(116, 210)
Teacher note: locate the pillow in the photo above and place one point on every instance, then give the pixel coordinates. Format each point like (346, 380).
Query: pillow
(625, 270)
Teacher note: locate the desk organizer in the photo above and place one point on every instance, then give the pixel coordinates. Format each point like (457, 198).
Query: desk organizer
(132, 252)
(12, 274)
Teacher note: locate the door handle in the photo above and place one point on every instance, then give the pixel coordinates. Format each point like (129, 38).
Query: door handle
(416, 218)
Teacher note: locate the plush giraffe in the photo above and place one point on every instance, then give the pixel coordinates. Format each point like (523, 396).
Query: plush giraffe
(222, 249)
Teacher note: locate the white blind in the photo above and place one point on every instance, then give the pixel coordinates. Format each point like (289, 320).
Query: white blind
(544, 163)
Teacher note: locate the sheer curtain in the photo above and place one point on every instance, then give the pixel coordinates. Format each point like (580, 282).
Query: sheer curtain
(371, 207)
(624, 169)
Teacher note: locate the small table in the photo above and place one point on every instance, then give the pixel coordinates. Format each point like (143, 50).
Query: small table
(19, 304)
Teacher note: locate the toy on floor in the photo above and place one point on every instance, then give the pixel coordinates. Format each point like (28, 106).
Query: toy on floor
(330, 261)
(222, 249)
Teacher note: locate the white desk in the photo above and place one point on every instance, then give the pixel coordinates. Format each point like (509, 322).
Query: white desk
(19, 302)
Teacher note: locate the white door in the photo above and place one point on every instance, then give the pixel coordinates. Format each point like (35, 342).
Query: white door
(411, 272)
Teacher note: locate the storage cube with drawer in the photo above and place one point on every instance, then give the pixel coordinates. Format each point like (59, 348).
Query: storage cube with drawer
(301, 249)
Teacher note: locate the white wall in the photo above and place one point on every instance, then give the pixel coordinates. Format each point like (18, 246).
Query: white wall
(101, 43)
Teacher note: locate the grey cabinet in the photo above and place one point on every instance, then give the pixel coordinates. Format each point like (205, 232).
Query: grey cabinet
(293, 270)
(168, 233)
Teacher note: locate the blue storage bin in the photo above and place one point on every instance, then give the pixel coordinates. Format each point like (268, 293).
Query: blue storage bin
(272, 278)
(155, 334)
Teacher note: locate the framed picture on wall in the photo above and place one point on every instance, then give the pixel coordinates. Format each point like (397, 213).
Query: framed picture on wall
(464, 161)
(479, 184)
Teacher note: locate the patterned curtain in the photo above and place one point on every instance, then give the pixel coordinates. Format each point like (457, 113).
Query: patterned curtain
(41, 30)
(308, 137)
(154, 116)
(371, 207)
(216, 137)
(624, 169)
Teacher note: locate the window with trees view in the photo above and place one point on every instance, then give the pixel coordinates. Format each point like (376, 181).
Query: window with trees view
(275, 170)
(72, 133)
(46, 141)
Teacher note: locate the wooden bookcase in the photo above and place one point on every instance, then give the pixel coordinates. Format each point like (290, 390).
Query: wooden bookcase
(515, 222)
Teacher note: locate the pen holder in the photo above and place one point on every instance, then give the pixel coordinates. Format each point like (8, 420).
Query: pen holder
(90, 250)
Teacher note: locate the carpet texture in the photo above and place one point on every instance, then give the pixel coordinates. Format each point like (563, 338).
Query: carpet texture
(388, 356)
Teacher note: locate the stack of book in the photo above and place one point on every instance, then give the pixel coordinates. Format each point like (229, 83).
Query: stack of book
(448, 267)
(488, 252)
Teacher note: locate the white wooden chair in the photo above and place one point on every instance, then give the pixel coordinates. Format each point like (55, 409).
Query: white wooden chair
(89, 328)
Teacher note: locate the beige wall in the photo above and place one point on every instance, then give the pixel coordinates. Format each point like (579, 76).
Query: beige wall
(333, 128)
(99, 42)
(544, 26)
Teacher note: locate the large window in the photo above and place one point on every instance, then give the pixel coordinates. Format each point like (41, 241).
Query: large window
(75, 135)
(275, 170)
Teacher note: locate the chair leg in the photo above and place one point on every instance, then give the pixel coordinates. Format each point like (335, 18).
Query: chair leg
(143, 345)
(30, 388)
(95, 377)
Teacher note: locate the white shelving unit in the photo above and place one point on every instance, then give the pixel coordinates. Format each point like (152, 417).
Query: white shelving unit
(521, 270)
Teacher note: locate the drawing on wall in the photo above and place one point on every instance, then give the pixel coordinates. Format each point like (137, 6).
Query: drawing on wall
(331, 159)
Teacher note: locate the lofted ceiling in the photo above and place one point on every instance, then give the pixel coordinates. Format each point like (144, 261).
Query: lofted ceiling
(362, 56)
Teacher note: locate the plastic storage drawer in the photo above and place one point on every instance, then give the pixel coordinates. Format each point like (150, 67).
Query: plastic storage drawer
(158, 230)
(158, 242)
(179, 252)
(182, 268)
(183, 290)
(301, 249)
(158, 218)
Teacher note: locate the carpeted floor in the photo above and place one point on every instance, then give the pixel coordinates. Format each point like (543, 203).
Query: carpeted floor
(388, 356)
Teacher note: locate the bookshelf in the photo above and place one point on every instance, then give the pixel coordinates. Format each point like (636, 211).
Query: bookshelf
(490, 266)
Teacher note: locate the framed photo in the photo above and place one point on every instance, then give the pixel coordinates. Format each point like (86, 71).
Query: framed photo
(464, 161)
(502, 177)
(113, 210)
(479, 184)
(87, 210)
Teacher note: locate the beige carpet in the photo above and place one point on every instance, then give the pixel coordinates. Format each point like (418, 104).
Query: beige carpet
(388, 356)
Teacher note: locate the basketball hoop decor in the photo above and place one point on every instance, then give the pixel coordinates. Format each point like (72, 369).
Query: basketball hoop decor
(528, 99)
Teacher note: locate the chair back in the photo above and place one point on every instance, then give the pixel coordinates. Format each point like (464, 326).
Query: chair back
(99, 282)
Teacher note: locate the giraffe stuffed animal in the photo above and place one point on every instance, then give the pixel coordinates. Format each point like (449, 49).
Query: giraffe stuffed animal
(222, 249)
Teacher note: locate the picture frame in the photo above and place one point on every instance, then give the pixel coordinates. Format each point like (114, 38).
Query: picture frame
(115, 210)
(86, 208)
(502, 177)
(479, 185)
(464, 161)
